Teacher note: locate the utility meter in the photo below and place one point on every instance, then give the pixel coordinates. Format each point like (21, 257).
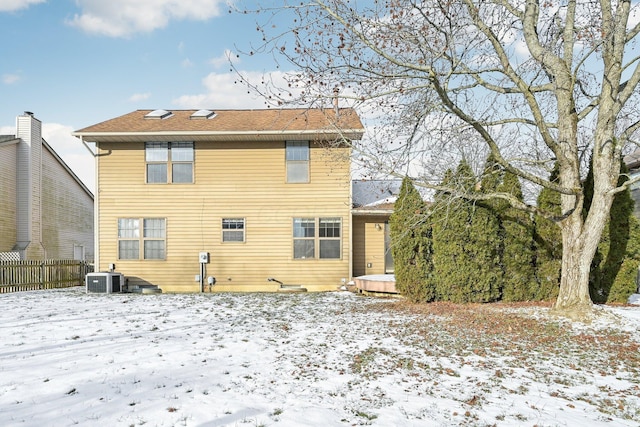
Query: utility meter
(204, 257)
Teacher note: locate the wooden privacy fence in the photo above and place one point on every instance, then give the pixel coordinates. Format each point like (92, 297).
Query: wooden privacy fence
(18, 276)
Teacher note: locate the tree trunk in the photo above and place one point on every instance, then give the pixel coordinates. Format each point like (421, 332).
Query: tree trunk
(579, 243)
(573, 296)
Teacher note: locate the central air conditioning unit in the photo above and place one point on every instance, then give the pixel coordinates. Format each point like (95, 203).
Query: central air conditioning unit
(104, 282)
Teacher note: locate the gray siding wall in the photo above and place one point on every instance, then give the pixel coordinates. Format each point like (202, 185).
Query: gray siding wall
(45, 213)
(635, 195)
(7, 197)
(67, 210)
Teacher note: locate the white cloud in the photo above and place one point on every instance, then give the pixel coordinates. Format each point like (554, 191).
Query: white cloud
(10, 79)
(123, 18)
(7, 130)
(223, 60)
(137, 97)
(186, 63)
(13, 5)
(227, 91)
(71, 150)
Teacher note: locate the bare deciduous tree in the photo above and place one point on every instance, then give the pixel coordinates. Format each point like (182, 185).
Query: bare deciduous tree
(534, 82)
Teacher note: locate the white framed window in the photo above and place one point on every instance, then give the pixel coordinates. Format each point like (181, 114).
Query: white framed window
(128, 238)
(304, 233)
(329, 237)
(152, 239)
(233, 230)
(317, 238)
(169, 162)
(297, 160)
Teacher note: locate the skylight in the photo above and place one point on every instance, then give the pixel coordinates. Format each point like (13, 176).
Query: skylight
(158, 114)
(203, 114)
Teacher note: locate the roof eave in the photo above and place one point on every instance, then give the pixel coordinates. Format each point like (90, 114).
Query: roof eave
(371, 212)
(218, 135)
(10, 141)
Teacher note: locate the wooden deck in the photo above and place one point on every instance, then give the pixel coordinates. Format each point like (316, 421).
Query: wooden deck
(376, 283)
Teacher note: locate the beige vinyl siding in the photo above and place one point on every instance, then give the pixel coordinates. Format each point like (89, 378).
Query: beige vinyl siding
(8, 190)
(67, 209)
(359, 250)
(359, 239)
(232, 180)
(368, 243)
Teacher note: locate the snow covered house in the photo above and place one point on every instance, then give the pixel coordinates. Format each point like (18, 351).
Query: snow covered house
(257, 199)
(46, 212)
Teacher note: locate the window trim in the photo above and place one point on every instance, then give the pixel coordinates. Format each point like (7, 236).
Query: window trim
(316, 238)
(333, 221)
(298, 223)
(243, 229)
(141, 239)
(169, 162)
(297, 162)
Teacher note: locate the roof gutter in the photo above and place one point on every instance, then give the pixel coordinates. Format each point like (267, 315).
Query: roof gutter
(9, 142)
(249, 135)
(372, 212)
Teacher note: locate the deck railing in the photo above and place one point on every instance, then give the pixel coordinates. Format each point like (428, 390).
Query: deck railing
(30, 275)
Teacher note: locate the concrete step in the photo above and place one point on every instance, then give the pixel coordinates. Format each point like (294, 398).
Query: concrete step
(292, 288)
(144, 289)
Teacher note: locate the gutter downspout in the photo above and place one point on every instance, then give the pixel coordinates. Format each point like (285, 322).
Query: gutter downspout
(87, 146)
(351, 248)
(40, 233)
(96, 211)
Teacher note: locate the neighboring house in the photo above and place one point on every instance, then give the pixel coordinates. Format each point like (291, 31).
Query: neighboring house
(373, 202)
(46, 212)
(633, 164)
(265, 192)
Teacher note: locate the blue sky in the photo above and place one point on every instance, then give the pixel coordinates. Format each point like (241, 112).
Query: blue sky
(77, 63)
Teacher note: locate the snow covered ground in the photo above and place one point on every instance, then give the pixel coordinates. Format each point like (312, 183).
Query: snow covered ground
(324, 359)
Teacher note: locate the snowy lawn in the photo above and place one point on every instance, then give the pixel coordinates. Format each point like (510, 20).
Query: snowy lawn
(324, 359)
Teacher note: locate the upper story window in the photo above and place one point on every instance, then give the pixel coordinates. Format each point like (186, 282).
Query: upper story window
(297, 159)
(169, 162)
